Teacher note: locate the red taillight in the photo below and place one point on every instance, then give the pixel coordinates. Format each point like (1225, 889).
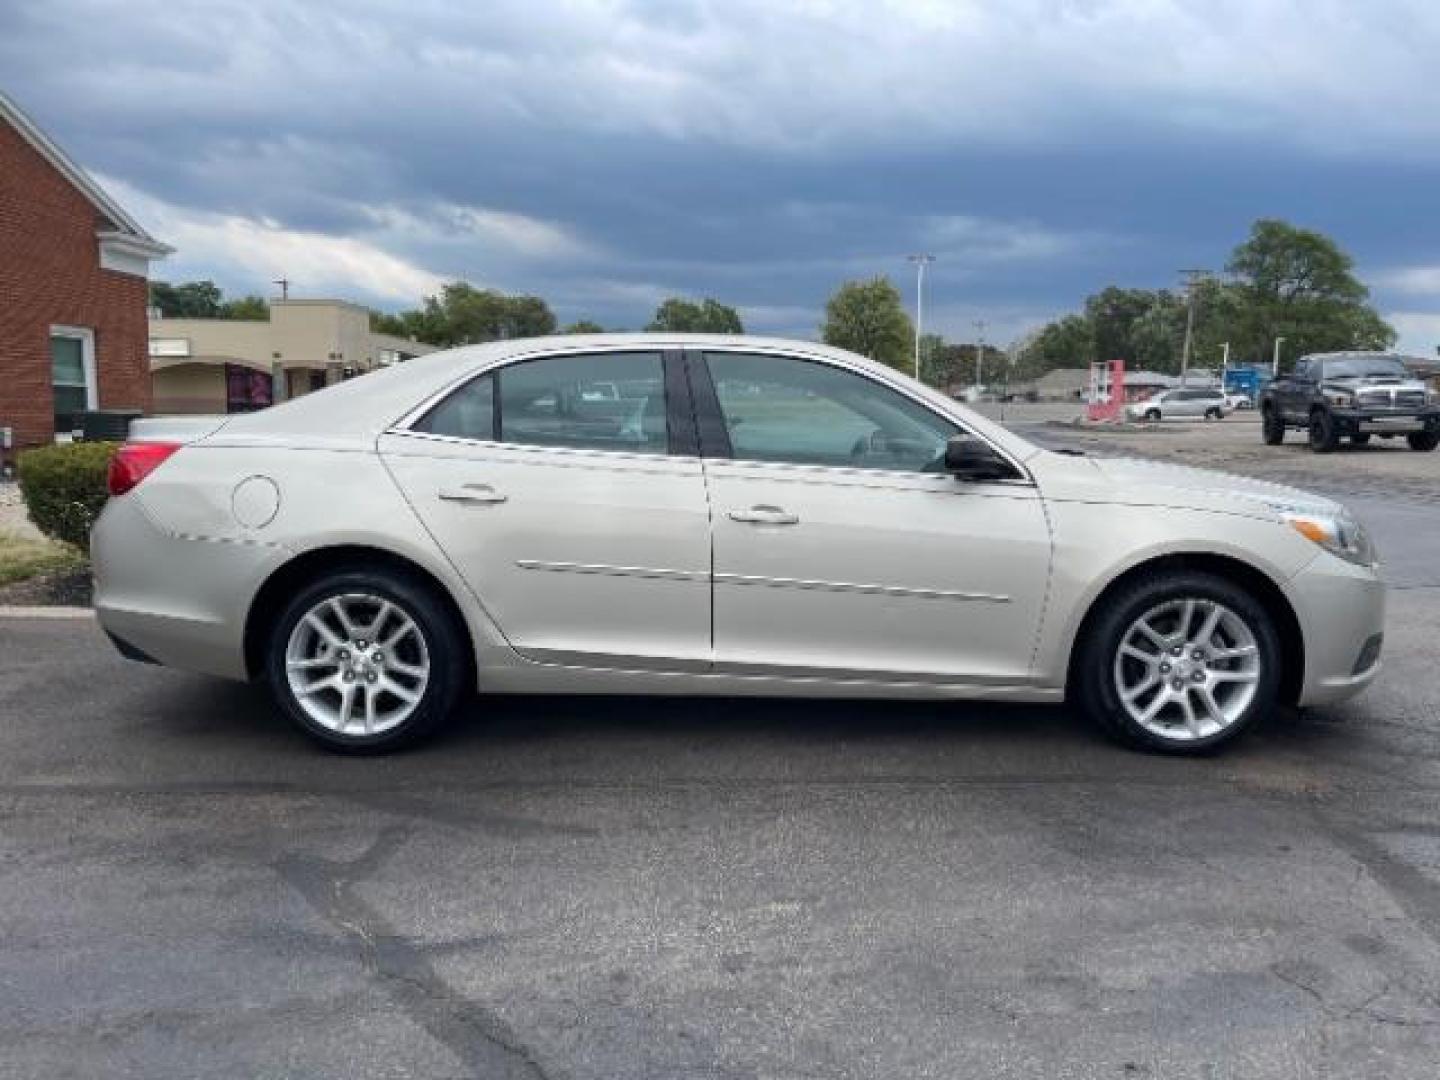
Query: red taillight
(135, 461)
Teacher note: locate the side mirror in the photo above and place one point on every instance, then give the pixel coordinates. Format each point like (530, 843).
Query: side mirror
(967, 458)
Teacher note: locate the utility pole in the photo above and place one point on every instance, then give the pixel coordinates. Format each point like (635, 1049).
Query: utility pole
(1275, 360)
(1192, 277)
(1224, 363)
(921, 261)
(979, 353)
(284, 284)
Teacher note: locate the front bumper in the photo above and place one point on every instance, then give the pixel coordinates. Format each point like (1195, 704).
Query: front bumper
(1341, 608)
(1386, 421)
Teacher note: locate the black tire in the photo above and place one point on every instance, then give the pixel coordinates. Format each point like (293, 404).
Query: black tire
(445, 641)
(1214, 414)
(1272, 427)
(1152, 415)
(1423, 441)
(1093, 687)
(1360, 438)
(1324, 438)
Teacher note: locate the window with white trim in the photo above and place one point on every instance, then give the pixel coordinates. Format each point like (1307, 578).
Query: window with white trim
(72, 374)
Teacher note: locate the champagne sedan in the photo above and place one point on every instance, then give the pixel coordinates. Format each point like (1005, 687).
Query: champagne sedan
(685, 514)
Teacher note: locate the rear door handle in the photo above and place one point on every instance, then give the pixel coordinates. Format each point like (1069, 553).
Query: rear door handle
(472, 493)
(765, 515)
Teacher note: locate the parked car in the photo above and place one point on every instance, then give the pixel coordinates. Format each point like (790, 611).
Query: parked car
(1351, 395)
(378, 550)
(1180, 404)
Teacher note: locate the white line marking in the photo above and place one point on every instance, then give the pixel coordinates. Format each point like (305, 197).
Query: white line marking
(40, 612)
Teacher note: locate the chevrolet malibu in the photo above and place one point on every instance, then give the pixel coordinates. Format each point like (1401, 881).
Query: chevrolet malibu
(646, 514)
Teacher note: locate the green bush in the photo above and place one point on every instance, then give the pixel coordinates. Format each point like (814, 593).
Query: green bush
(64, 488)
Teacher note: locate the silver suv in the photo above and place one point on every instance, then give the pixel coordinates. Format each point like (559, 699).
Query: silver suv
(1181, 404)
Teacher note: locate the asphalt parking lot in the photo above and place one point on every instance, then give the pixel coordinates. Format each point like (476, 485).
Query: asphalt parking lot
(652, 888)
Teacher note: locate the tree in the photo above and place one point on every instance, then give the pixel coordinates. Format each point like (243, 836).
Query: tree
(1066, 343)
(247, 309)
(188, 300)
(937, 360)
(383, 323)
(680, 316)
(1113, 313)
(584, 326)
(462, 315)
(868, 317)
(1298, 284)
(1288, 282)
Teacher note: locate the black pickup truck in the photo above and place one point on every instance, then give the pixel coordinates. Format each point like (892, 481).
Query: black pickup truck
(1351, 395)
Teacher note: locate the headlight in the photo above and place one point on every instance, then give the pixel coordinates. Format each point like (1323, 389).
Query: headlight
(1340, 535)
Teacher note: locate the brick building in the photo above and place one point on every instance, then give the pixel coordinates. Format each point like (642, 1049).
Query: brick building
(73, 277)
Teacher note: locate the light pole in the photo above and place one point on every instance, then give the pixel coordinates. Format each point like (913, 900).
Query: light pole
(1194, 276)
(979, 353)
(1224, 362)
(1275, 360)
(921, 260)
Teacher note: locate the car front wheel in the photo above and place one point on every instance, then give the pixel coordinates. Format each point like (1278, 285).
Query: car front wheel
(1323, 436)
(1178, 662)
(366, 660)
(1272, 427)
(1423, 441)
(1153, 415)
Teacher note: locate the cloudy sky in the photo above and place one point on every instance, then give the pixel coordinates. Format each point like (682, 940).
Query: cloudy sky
(608, 153)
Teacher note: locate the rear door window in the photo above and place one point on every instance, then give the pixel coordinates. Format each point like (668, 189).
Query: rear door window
(591, 401)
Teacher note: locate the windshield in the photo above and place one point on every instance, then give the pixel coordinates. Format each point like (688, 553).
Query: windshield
(1364, 367)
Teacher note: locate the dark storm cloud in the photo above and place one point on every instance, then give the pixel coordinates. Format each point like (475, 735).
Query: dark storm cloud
(604, 154)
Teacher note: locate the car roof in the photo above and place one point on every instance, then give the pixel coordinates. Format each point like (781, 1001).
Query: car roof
(363, 407)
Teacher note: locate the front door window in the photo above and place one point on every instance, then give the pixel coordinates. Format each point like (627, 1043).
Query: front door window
(808, 413)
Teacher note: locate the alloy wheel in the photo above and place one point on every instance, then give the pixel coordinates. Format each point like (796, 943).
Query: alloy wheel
(1187, 669)
(357, 664)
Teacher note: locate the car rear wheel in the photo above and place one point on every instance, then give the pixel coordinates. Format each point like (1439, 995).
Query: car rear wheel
(366, 660)
(1152, 415)
(1423, 441)
(1214, 414)
(1323, 436)
(1273, 428)
(1178, 662)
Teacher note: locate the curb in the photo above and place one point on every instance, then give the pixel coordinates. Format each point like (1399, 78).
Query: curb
(38, 611)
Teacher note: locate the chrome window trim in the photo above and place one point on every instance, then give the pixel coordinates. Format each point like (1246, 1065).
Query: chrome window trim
(581, 452)
(409, 418)
(405, 424)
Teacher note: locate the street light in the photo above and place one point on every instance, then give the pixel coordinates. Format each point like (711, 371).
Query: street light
(1275, 361)
(979, 354)
(920, 260)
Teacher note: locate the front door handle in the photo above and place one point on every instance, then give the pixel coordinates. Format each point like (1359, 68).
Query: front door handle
(472, 493)
(765, 515)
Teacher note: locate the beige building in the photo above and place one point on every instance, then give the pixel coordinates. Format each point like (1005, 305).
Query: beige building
(230, 365)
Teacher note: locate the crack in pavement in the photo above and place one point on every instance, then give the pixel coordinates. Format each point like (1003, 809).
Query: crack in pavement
(486, 1045)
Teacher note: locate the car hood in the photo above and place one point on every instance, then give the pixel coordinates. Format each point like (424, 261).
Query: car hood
(1136, 482)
